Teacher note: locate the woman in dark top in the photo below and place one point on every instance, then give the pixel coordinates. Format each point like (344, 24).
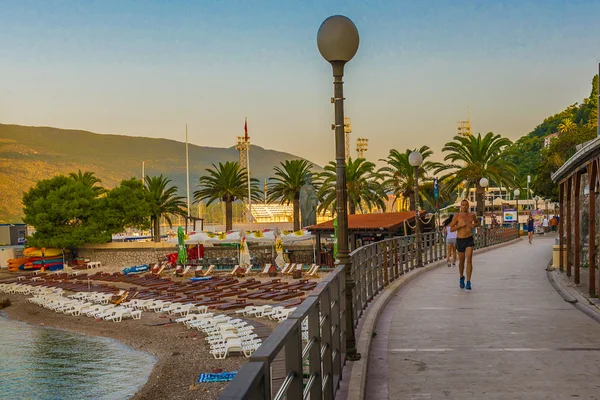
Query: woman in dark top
(530, 227)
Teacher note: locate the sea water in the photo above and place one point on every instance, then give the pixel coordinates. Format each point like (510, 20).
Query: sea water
(43, 364)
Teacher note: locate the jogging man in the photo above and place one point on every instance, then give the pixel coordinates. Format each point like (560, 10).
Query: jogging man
(463, 224)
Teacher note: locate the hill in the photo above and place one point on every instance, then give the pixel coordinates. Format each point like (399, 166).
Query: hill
(529, 156)
(28, 154)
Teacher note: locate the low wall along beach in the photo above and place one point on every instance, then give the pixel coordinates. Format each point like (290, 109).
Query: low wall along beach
(128, 254)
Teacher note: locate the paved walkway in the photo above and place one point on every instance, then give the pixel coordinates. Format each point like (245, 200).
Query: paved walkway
(512, 337)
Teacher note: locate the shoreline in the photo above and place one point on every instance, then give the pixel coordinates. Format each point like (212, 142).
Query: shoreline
(181, 354)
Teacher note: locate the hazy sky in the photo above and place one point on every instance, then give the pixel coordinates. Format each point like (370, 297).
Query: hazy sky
(145, 68)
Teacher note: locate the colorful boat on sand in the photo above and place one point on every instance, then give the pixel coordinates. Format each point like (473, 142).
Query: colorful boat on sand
(48, 252)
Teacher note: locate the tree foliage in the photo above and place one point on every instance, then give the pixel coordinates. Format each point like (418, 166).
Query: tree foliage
(65, 213)
(527, 155)
(127, 206)
(70, 211)
(363, 187)
(399, 176)
(226, 182)
(285, 187)
(475, 157)
(555, 155)
(163, 201)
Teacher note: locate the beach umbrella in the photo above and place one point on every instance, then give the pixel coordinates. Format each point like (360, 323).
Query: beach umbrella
(244, 259)
(279, 260)
(182, 253)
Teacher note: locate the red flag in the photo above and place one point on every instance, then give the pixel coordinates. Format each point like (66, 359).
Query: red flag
(246, 129)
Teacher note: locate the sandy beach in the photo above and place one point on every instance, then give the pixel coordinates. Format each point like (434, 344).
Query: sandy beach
(182, 354)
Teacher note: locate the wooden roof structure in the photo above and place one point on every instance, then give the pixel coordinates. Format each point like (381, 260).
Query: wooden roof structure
(371, 222)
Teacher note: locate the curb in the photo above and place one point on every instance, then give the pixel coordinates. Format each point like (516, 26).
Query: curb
(360, 368)
(573, 297)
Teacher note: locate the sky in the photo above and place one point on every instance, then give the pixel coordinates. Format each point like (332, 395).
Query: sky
(146, 68)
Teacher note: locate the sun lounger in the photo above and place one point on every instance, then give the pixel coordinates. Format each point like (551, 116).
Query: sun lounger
(209, 270)
(265, 270)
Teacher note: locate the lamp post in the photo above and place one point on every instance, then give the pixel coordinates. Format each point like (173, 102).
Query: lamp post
(536, 198)
(483, 183)
(416, 159)
(517, 192)
(337, 40)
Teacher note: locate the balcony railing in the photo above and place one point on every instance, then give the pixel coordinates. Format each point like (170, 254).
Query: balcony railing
(312, 339)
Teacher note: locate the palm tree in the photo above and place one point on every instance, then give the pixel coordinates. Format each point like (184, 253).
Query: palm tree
(399, 175)
(427, 196)
(226, 182)
(163, 202)
(487, 156)
(89, 180)
(288, 180)
(363, 185)
(566, 125)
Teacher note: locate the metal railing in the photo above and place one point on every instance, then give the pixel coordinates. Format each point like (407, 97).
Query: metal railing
(312, 339)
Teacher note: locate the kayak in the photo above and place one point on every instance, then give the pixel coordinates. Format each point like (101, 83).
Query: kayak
(35, 252)
(136, 269)
(202, 278)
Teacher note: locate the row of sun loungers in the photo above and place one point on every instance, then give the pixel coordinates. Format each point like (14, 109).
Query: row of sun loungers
(71, 306)
(224, 333)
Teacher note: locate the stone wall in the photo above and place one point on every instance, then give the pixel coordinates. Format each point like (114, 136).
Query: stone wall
(123, 255)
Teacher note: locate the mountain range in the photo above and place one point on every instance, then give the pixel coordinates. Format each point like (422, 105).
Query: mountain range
(28, 154)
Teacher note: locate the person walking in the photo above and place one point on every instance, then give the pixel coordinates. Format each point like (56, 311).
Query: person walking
(450, 241)
(545, 224)
(554, 223)
(463, 224)
(530, 228)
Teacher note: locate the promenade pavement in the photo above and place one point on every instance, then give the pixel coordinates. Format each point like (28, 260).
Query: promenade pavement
(511, 337)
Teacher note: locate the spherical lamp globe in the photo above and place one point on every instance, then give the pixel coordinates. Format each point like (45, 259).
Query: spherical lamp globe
(337, 39)
(415, 159)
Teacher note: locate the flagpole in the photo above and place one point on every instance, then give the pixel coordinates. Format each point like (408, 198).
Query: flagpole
(187, 180)
(248, 171)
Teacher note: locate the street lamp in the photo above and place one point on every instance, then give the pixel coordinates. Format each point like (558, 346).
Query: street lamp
(517, 192)
(416, 159)
(483, 183)
(337, 40)
(536, 198)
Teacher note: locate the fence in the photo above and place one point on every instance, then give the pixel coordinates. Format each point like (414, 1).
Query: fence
(312, 339)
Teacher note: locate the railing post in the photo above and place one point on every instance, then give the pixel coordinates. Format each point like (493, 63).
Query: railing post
(385, 263)
(365, 272)
(314, 354)
(293, 362)
(372, 276)
(431, 244)
(326, 344)
(396, 259)
(357, 262)
(412, 251)
(380, 267)
(358, 309)
(337, 309)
